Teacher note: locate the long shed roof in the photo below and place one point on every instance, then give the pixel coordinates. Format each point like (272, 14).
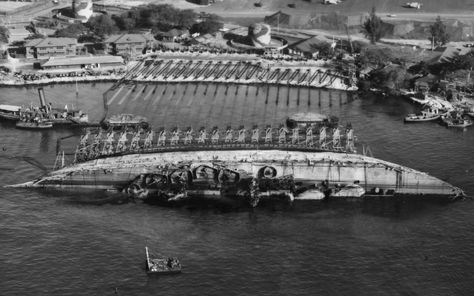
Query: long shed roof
(82, 60)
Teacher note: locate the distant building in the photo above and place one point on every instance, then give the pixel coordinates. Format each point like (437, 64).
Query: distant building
(83, 62)
(282, 19)
(313, 20)
(132, 44)
(50, 47)
(17, 33)
(310, 47)
(423, 84)
(114, 8)
(173, 35)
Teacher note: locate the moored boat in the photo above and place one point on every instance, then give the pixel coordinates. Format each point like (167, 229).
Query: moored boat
(350, 190)
(456, 120)
(36, 125)
(125, 120)
(157, 167)
(169, 265)
(10, 112)
(426, 115)
(56, 116)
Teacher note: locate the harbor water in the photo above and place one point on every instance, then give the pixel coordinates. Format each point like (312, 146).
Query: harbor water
(81, 244)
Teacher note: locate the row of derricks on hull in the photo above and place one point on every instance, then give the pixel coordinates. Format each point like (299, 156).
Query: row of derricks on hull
(147, 141)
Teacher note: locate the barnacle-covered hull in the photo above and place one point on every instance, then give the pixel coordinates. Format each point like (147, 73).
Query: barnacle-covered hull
(249, 175)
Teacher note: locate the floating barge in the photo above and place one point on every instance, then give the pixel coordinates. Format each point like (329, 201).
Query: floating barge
(315, 163)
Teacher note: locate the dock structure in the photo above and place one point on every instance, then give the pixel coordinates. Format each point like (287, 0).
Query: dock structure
(100, 144)
(181, 70)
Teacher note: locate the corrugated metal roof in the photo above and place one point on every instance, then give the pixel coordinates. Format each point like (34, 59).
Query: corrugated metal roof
(126, 38)
(82, 60)
(49, 42)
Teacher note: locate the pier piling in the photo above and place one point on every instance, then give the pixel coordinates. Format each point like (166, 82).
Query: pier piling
(268, 90)
(288, 95)
(278, 95)
(309, 96)
(319, 97)
(298, 97)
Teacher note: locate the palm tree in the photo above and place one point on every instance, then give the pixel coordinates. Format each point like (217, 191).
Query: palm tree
(373, 27)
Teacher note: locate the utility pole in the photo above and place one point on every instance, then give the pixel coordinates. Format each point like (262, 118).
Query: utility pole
(278, 22)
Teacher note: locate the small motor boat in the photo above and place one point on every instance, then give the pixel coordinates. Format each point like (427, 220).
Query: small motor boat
(426, 115)
(168, 265)
(34, 125)
(457, 120)
(119, 121)
(311, 194)
(351, 190)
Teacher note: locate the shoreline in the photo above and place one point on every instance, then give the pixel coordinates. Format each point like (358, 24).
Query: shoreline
(60, 80)
(95, 79)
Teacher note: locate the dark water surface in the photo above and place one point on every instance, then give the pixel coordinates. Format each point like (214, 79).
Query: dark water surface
(81, 244)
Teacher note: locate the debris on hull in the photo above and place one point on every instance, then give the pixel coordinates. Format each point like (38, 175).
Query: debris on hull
(244, 175)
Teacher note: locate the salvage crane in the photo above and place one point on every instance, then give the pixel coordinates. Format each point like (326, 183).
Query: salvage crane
(349, 39)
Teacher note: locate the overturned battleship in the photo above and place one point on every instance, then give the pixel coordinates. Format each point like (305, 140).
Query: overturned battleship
(307, 161)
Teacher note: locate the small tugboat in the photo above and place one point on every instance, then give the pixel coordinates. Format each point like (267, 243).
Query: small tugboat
(125, 120)
(426, 115)
(56, 116)
(168, 265)
(35, 124)
(456, 120)
(10, 112)
(308, 119)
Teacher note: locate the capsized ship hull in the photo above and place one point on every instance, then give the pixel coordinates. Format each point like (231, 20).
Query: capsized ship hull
(236, 172)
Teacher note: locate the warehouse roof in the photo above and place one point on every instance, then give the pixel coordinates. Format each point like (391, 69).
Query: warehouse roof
(82, 60)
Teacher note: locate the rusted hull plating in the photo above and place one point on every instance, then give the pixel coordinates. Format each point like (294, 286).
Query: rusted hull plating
(176, 175)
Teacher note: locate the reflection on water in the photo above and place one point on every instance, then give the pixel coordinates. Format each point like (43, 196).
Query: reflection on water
(58, 243)
(430, 147)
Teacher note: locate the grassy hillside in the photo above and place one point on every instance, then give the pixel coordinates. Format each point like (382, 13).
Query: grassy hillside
(347, 6)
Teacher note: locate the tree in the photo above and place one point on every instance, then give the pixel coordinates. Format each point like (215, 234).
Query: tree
(124, 23)
(71, 31)
(373, 27)
(102, 25)
(4, 34)
(324, 49)
(35, 36)
(438, 34)
(211, 25)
